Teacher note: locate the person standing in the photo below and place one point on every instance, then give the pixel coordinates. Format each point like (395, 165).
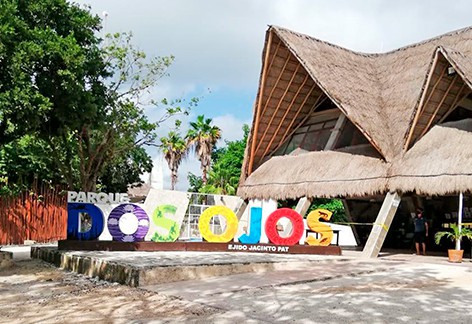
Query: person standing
(421, 231)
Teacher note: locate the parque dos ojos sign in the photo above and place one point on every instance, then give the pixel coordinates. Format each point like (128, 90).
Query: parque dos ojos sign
(81, 203)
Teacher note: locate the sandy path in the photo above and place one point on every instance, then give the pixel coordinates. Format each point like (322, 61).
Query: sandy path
(33, 292)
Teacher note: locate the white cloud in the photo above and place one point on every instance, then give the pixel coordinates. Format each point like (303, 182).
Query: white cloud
(231, 127)
(218, 44)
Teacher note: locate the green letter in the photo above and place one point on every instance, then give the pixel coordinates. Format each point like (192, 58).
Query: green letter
(159, 219)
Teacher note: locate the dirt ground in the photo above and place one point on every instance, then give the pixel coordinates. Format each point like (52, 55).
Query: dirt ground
(33, 291)
(396, 289)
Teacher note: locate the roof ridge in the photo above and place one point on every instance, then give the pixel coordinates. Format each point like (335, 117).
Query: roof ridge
(429, 40)
(432, 39)
(322, 41)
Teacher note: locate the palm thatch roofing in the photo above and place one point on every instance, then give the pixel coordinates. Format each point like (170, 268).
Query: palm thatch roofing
(138, 192)
(395, 99)
(337, 174)
(439, 163)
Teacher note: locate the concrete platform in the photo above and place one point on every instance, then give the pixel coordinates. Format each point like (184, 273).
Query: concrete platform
(196, 247)
(151, 268)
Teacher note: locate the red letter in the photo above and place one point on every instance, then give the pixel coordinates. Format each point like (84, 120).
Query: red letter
(297, 227)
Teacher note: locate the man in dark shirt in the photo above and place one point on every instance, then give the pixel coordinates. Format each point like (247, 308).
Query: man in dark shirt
(421, 231)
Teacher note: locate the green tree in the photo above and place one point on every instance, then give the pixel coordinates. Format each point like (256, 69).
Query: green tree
(221, 181)
(82, 101)
(334, 205)
(24, 161)
(195, 182)
(51, 68)
(125, 170)
(175, 150)
(121, 126)
(202, 136)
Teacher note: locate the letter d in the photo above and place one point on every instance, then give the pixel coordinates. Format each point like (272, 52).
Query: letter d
(74, 211)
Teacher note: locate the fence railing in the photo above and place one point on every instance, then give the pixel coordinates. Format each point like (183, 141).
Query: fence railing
(39, 215)
(197, 204)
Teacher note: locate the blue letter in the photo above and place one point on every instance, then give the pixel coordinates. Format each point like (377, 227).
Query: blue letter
(90, 225)
(254, 227)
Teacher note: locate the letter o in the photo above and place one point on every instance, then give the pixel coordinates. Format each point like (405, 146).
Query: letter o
(297, 227)
(114, 223)
(231, 224)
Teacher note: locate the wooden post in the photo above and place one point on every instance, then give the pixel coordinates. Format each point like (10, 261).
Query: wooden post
(258, 107)
(333, 138)
(381, 225)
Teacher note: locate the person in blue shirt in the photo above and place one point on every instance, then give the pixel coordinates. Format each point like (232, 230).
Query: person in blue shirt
(421, 231)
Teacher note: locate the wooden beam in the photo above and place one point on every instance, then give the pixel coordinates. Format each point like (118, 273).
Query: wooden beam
(258, 108)
(274, 56)
(278, 107)
(466, 103)
(276, 83)
(295, 118)
(288, 110)
(318, 102)
(421, 103)
(456, 102)
(433, 116)
(435, 85)
(336, 132)
(290, 105)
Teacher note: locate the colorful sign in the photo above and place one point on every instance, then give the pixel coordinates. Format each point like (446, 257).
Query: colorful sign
(87, 221)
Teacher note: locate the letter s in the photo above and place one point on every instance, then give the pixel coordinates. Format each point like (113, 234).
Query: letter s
(313, 222)
(159, 219)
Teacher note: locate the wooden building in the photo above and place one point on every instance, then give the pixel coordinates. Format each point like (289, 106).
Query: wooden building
(367, 128)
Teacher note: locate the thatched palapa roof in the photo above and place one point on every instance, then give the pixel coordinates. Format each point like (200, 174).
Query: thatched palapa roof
(337, 174)
(394, 99)
(441, 162)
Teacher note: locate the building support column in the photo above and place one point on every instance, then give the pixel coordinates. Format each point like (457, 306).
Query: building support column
(459, 218)
(381, 225)
(302, 206)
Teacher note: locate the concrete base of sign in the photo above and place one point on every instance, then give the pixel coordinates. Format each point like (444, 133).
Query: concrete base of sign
(140, 268)
(196, 246)
(6, 259)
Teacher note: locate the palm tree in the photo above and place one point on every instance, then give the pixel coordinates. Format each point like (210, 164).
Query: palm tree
(175, 150)
(202, 136)
(221, 181)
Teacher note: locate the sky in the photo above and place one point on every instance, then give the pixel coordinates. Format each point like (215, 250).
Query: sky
(218, 44)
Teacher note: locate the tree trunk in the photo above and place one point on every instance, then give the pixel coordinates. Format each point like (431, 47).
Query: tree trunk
(173, 179)
(204, 176)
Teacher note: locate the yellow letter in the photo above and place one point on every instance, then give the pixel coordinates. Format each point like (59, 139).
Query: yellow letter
(313, 222)
(231, 224)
